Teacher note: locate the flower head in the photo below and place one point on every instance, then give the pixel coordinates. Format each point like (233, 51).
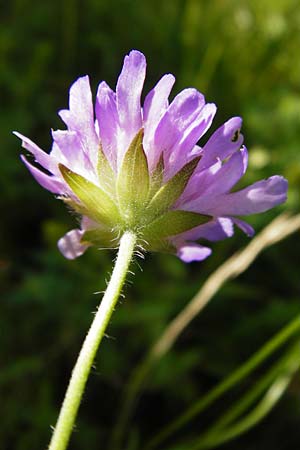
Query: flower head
(123, 167)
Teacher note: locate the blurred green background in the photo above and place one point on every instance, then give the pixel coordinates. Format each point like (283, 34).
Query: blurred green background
(244, 55)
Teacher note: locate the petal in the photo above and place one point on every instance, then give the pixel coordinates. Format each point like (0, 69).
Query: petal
(182, 112)
(156, 103)
(189, 252)
(88, 224)
(80, 117)
(205, 186)
(244, 226)
(226, 140)
(196, 151)
(51, 183)
(181, 127)
(80, 113)
(198, 183)
(108, 121)
(65, 115)
(215, 230)
(70, 245)
(41, 157)
(129, 89)
(185, 146)
(258, 197)
(68, 150)
(229, 174)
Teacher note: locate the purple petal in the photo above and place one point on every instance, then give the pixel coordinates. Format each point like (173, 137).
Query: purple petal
(178, 118)
(229, 174)
(218, 179)
(67, 149)
(179, 154)
(66, 116)
(189, 252)
(196, 151)
(51, 183)
(244, 226)
(80, 117)
(156, 103)
(129, 89)
(88, 224)
(215, 230)
(198, 183)
(226, 140)
(41, 157)
(108, 121)
(70, 245)
(258, 197)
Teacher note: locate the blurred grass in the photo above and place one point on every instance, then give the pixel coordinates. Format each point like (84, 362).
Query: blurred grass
(244, 55)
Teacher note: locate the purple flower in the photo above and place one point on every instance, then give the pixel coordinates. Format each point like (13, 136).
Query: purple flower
(123, 166)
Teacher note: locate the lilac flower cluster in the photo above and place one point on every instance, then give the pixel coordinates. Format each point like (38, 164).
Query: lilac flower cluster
(124, 166)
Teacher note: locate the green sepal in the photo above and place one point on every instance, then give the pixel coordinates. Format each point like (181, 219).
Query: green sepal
(101, 236)
(172, 223)
(73, 206)
(161, 246)
(97, 204)
(157, 177)
(133, 177)
(171, 191)
(106, 174)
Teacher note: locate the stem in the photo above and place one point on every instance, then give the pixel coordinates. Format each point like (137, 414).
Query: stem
(249, 366)
(277, 230)
(129, 400)
(272, 396)
(226, 429)
(88, 351)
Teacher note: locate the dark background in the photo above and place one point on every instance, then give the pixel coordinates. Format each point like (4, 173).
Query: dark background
(244, 55)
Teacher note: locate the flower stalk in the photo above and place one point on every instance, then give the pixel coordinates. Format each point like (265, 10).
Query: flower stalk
(68, 412)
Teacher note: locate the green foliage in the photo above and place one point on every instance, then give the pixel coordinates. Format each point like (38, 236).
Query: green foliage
(244, 56)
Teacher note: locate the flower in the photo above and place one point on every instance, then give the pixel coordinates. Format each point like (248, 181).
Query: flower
(124, 166)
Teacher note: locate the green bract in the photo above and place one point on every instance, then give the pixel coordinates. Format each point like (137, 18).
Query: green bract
(133, 199)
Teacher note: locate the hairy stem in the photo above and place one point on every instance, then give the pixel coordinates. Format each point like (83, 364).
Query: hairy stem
(68, 412)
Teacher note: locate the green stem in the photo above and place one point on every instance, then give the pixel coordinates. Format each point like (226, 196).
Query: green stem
(87, 354)
(271, 346)
(273, 394)
(129, 400)
(226, 429)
